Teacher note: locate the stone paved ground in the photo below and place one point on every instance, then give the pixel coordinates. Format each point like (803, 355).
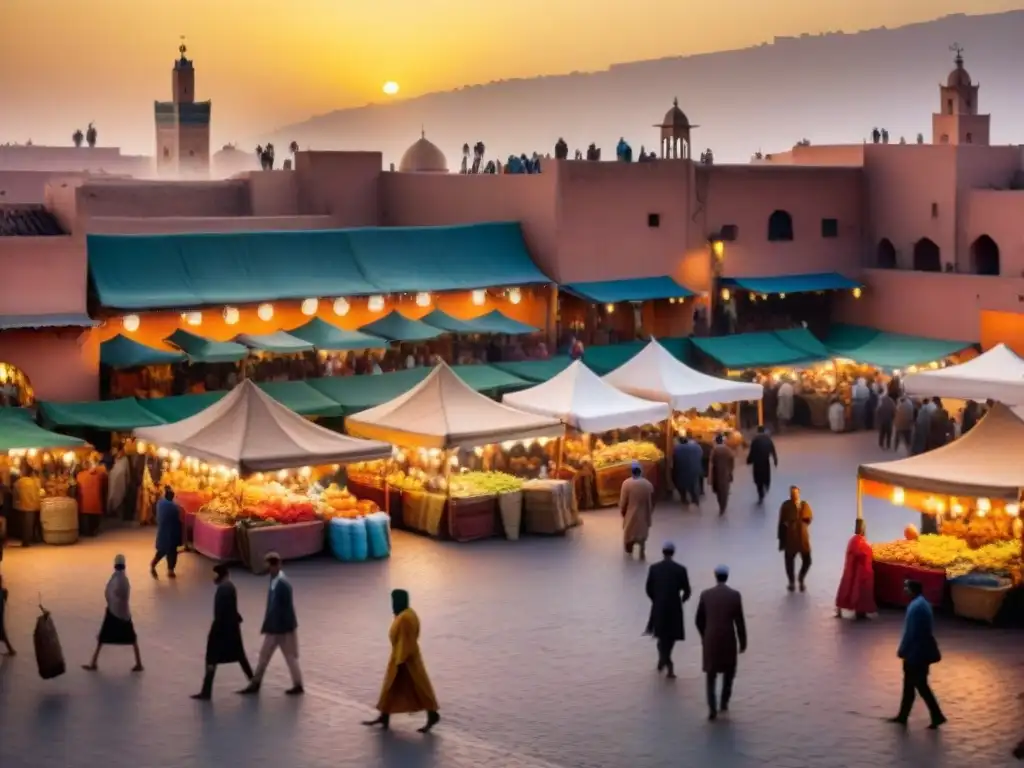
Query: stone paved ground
(534, 648)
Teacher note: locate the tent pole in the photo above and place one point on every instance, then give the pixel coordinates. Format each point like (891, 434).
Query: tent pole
(668, 455)
(561, 451)
(760, 413)
(860, 500)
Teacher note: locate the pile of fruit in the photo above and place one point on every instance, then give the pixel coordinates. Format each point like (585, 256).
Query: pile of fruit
(339, 502)
(284, 510)
(471, 484)
(221, 509)
(368, 472)
(629, 450)
(981, 531)
(180, 480)
(952, 554)
(417, 480)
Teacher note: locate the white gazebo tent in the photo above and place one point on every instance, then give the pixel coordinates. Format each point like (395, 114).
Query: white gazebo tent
(997, 374)
(247, 431)
(654, 373)
(983, 464)
(581, 399)
(442, 411)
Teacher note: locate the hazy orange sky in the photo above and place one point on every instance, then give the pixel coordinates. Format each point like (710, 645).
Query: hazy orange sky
(267, 63)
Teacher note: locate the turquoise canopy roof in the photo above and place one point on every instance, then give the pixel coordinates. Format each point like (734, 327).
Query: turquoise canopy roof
(395, 326)
(194, 270)
(277, 342)
(890, 351)
(300, 397)
(490, 379)
(357, 393)
(121, 415)
(180, 407)
(202, 350)
(65, 320)
(122, 352)
(536, 371)
(330, 338)
(19, 432)
(818, 281)
(607, 357)
(444, 321)
(764, 349)
(497, 321)
(631, 289)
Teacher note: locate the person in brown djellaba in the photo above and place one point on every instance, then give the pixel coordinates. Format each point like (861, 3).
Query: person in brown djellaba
(636, 505)
(720, 470)
(723, 634)
(795, 518)
(224, 644)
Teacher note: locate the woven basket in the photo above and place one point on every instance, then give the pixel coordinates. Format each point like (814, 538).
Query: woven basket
(58, 517)
(981, 603)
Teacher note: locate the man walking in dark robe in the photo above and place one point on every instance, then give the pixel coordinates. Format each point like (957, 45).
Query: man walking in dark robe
(795, 517)
(723, 634)
(665, 581)
(687, 469)
(224, 643)
(720, 470)
(760, 457)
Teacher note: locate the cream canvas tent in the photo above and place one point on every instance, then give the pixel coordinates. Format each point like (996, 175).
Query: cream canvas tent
(442, 411)
(986, 462)
(654, 373)
(247, 430)
(997, 374)
(579, 398)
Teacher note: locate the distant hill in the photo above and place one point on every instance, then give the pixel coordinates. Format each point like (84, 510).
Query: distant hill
(830, 88)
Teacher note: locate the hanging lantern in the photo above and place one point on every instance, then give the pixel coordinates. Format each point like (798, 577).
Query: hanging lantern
(341, 307)
(131, 323)
(310, 306)
(375, 303)
(265, 312)
(898, 496)
(609, 308)
(193, 318)
(782, 295)
(231, 315)
(726, 294)
(515, 295)
(983, 506)
(479, 297)
(1012, 509)
(422, 299)
(857, 293)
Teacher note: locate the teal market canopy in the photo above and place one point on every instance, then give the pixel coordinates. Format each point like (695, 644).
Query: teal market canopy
(330, 338)
(444, 321)
(497, 321)
(277, 342)
(764, 349)
(136, 272)
(489, 379)
(202, 350)
(357, 393)
(631, 289)
(536, 370)
(19, 433)
(395, 326)
(779, 284)
(607, 357)
(65, 320)
(121, 415)
(122, 352)
(178, 407)
(890, 351)
(300, 397)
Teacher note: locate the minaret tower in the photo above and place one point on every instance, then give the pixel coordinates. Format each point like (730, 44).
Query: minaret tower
(958, 121)
(183, 125)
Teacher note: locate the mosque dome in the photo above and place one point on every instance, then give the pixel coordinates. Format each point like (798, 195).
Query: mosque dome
(423, 157)
(958, 77)
(675, 118)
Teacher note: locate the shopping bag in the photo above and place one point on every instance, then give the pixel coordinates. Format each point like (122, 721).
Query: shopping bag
(49, 656)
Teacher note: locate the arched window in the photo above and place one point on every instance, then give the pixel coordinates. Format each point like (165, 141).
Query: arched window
(927, 257)
(885, 254)
(985, 256)
(15, 389)
(780, 226)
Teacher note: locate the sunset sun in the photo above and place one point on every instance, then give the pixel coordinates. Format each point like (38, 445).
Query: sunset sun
(390, 88)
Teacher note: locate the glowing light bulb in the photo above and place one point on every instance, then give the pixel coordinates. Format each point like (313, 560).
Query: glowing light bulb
(515, 295)
(140, 446)
(479, 297)
(131, 323)
(375, 303)
(898, 496)
(231, 315)
(422, 299)
(1012, 509)
(341, 307)
(194, 318)
(726, 294)
(857, 293)
(310, 306)
(984, 505)
(265, 312)
(609, 308)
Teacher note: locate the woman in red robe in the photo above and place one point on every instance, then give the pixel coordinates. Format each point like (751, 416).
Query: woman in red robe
(857, 587)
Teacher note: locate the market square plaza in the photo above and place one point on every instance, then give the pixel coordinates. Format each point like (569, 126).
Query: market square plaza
(534, 648)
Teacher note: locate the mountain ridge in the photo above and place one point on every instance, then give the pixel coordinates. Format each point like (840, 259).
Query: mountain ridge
(764, 97)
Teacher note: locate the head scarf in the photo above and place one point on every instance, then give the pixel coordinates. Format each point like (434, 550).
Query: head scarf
(399, 601)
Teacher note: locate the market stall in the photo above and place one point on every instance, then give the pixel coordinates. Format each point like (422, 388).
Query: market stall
(997, 374)
(697, 400)
(251, 474)
(970, 492)
(440, 426)
(53, 459)
(595, 415)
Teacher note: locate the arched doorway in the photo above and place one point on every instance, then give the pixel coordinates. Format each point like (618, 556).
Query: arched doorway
(15, 388)
(885, 254)
(985, 256)
(780, 226)
(927, 257)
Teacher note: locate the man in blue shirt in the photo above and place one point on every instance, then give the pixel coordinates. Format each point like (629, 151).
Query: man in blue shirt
(919, 651)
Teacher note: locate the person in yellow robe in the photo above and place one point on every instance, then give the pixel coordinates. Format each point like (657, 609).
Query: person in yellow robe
(406, 687)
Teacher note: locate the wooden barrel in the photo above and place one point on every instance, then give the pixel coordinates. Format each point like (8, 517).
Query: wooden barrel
(58, 517)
